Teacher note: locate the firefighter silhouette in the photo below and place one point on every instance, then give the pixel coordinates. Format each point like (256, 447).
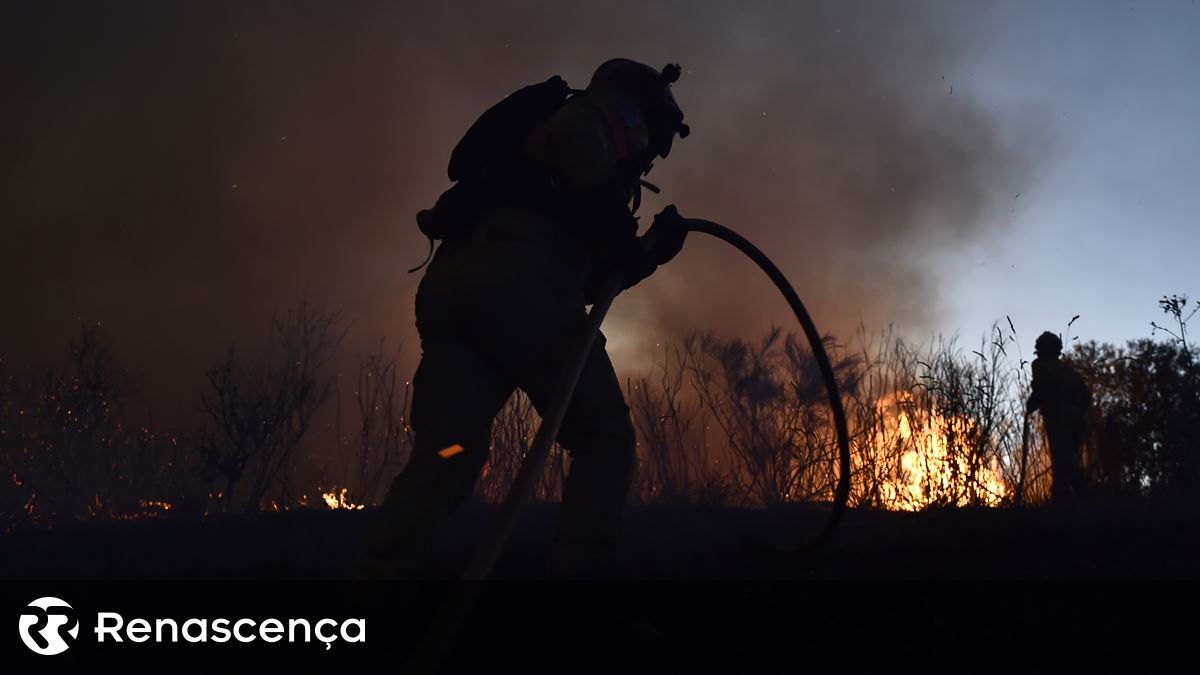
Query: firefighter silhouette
(1062, 396)
(543, 211)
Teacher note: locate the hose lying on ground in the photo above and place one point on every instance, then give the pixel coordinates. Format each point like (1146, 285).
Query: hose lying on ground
(479, 567)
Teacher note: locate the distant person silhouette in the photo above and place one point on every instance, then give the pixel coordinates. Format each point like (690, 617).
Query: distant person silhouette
(537, 222)
(1060, 392)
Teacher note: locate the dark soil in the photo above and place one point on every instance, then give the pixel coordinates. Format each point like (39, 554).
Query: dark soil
(1085, 542)
(948, 589)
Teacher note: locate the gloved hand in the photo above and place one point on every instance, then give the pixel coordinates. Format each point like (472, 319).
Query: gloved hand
(642, 255)
(665, 237)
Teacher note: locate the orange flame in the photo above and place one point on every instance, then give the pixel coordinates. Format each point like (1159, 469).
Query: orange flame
(337, 500)
(931, 470)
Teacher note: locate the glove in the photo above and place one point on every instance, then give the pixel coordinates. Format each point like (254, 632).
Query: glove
(642, 255)
(666, 235)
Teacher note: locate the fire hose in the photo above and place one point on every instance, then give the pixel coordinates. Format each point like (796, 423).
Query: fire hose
(525, 484)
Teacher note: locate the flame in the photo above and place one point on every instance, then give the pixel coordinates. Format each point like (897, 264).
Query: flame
(932, 469)
(337, 500)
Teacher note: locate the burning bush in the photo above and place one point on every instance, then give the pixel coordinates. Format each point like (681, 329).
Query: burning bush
(70, 452)
(719, 421)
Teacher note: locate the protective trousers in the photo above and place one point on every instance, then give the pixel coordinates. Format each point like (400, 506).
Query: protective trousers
(496, 313)
(1065, 434)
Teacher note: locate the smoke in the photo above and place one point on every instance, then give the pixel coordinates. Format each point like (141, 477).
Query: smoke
(834, 138)
(178, 171)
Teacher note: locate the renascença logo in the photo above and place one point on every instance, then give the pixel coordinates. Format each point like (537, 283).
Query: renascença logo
(43, 625)
(47, 622)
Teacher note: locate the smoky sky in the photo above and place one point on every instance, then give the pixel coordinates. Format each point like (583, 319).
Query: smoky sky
(174, 171)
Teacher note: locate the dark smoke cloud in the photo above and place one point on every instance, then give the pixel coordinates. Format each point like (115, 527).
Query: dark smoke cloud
(175, 171)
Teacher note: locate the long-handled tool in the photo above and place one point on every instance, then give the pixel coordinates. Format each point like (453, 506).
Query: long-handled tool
(462, 595)
(1024, 459)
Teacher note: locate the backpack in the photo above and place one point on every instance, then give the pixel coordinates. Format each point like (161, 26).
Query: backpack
(491, 145)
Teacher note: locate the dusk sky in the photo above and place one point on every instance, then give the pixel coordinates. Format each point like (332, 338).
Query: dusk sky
(176, 170)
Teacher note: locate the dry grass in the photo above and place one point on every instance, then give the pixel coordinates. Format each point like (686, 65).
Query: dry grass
(719, 421)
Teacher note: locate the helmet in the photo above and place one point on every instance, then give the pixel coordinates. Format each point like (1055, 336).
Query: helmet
(652, 90)
(1048, 344)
